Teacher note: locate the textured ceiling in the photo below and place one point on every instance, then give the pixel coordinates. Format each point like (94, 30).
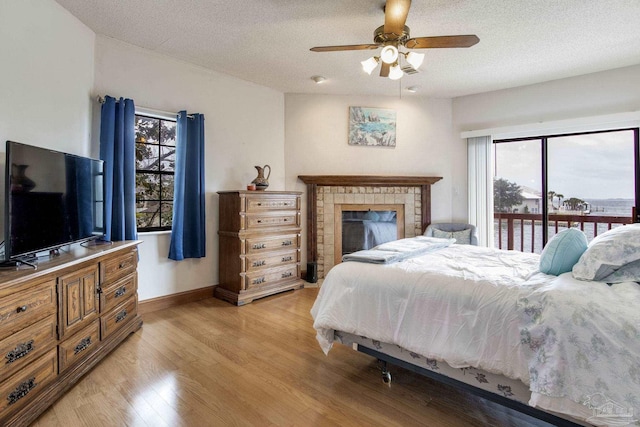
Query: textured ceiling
(267, 41)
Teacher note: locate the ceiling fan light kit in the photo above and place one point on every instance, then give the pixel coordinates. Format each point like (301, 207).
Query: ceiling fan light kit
(395, 72)
(370, 64)
(415, 59)
(389, 54)
(394, 34)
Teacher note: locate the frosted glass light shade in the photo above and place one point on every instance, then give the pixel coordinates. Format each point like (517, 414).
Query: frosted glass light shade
(369, 65)
(395, 72)
(415, 59)
(389, 54)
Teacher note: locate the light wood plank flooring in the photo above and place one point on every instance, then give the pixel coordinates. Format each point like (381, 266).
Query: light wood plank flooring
(210, 363)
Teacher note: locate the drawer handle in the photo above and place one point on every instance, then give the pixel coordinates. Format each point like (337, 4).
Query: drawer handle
(286, 219)
(259, 204)
(287, 274)
(83, 345)
(258, 281)
(22, 390)
(20, 351)
(122, 264)
(259, 246)
(21, 309)
(120, 291)
(286, 258)
(287, 243)
(259, 263)
(121, 316)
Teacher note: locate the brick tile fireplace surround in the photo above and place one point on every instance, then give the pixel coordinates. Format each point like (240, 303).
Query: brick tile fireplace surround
(327, 194)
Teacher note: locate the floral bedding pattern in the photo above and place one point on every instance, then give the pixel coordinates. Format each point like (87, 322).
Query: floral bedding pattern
(584, 352)
(498, 384)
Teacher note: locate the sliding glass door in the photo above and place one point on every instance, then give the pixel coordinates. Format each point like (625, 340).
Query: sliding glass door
(545, 184)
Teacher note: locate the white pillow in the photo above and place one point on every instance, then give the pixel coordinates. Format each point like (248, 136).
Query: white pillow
(626, 273)
(608, 252)
(562, 251)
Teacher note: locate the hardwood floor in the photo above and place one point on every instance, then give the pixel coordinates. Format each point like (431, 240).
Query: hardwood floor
(210, 363)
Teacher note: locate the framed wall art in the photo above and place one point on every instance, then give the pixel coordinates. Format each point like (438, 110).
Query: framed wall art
(373, 127)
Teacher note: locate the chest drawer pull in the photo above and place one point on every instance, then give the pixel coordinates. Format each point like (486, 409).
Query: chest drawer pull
(20, 351)
(287, 274)
(21, 309)
(258, 281)
(22, 390)
(121, 316)
(120, 291)
(259, 246)
(83, 345)
(259, 263)
(287, 243)
(286, 258)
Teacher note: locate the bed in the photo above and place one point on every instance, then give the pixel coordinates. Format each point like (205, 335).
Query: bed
(563, 347)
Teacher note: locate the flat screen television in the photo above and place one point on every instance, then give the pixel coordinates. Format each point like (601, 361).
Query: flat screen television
(52, 199)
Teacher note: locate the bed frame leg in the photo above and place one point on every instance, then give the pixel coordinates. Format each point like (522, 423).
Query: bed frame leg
(386, 375)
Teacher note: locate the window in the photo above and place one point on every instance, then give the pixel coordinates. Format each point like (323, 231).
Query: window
(155, 164)
(543, 184)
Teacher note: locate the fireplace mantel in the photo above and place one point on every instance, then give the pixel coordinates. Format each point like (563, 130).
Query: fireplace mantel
(314, 181)
(369, 180)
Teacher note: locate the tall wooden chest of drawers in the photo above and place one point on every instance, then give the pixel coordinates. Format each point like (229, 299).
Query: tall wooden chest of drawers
(259, 249)
(60, 320)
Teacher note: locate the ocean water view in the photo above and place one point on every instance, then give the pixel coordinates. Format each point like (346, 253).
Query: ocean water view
(610, 207)
(522, 238)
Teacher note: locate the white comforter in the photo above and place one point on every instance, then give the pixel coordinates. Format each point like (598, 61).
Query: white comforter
(575, 343)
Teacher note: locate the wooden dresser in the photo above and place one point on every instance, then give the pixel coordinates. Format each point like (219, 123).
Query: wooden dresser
(60, 320)
(259, 244)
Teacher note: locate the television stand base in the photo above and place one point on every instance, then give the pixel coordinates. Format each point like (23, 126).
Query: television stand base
(16, 263)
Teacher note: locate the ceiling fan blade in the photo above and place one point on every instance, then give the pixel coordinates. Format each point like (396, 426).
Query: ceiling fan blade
(395, 16)
(384, 70)
(441, 41)
(345, 47)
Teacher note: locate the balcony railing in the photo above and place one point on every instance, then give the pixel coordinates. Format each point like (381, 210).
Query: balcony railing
(523, 232)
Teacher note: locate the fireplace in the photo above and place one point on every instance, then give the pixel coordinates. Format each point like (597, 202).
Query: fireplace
(408, 196)
(363, 226)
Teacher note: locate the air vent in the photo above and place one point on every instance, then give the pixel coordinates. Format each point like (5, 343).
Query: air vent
(408, 69)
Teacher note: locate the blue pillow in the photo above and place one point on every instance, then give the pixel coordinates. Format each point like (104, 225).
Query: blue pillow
(563, 251)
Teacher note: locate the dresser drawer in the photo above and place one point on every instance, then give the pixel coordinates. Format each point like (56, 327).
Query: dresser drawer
(268, 260)
(114, 268)
(18, 389)
(25, 346)
(258, 279)
(258, 221)
(79, 345)
(115, 293)
(118, 317)
(259, 204)
(27, 307)
(265, 244)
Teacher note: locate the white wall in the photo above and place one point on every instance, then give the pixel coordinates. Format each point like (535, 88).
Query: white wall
(604, 93)
(316, 131)
(244, 127)
(46, 78)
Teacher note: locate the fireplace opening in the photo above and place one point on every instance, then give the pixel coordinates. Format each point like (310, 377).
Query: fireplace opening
(359, 227)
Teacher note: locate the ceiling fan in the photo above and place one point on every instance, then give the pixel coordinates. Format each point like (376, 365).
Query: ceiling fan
(394, 34)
